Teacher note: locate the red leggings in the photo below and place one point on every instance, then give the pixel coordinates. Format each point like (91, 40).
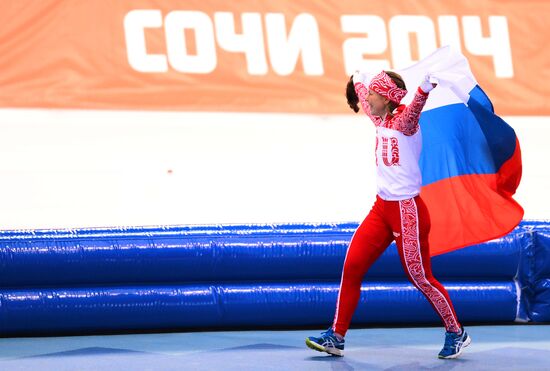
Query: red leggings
(408, 222)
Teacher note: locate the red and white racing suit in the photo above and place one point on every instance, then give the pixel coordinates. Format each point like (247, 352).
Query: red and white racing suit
(398, 214)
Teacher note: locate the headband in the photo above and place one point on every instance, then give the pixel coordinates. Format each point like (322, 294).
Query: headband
(386, 87)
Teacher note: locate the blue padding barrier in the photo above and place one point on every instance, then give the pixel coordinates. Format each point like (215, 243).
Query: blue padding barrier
(91, 280)
(540, 309)
(542, 254)
(261, 304)
(136, 256)
(534, 274)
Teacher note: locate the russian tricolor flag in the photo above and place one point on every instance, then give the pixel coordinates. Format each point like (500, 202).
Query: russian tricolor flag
(471, 158)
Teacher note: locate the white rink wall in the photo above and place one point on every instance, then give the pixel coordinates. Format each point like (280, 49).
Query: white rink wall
(75, 168)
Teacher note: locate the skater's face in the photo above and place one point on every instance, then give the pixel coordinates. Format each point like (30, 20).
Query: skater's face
(377, 103)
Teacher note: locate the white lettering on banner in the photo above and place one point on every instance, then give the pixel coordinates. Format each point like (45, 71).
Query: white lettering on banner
(176, 23)
(401, 27)
(449, 33)
(284, 49)
(250, 42)
(302, 38)
(497, 45)
(376, 42)
(357, 50)
(135, 23)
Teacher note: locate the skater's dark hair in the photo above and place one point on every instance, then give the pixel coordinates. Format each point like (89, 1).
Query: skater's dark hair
(351, 95)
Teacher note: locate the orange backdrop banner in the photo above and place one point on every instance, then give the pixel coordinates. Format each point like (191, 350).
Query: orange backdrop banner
(258, 56)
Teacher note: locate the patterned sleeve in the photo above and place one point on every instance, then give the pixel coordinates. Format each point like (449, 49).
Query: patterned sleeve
(407, 122)
(362, 93)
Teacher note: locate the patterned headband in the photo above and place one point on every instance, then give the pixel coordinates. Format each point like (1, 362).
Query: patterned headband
(386, 87)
